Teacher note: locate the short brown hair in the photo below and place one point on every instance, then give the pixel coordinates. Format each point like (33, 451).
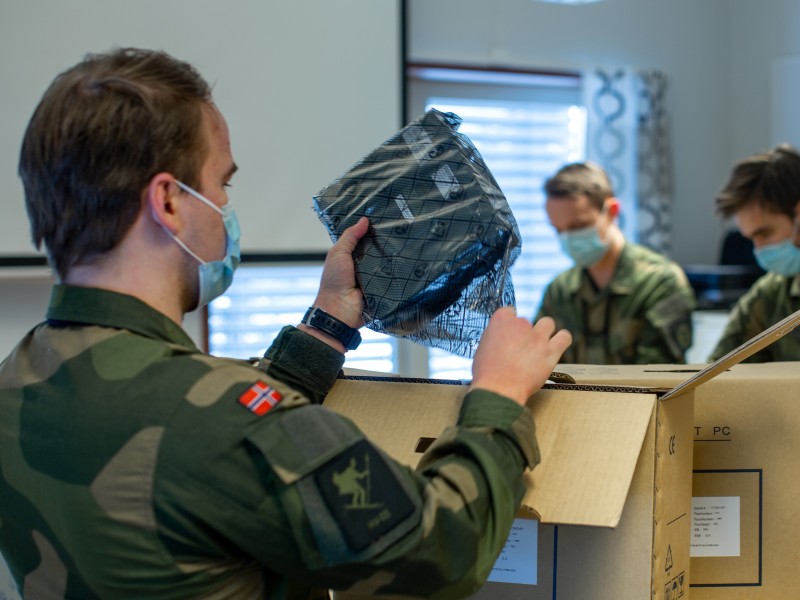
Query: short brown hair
(584, 178)
(101, 131)
(770, 178)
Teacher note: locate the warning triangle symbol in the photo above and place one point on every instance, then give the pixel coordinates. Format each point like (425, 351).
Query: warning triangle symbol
(668, 564)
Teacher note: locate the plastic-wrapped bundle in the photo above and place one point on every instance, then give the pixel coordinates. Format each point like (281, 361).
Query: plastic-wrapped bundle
(434, 265)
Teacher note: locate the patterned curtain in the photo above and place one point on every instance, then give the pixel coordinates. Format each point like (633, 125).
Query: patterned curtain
(628, 135)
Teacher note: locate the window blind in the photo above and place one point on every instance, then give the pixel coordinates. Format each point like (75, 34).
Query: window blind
(244, 321)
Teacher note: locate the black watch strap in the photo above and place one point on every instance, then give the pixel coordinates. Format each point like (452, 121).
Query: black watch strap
(318, 319)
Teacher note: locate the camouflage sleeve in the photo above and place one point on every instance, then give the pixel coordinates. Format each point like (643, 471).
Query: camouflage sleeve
(303, 362)
(339, 511)
(668, 334)
(747, 319)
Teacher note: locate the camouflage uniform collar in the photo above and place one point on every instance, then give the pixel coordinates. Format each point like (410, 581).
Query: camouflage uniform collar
(95, 306)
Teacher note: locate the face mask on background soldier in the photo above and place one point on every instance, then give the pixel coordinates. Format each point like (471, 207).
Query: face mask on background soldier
(782, 258)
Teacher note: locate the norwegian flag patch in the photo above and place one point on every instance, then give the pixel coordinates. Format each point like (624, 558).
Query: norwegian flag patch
(260, 398)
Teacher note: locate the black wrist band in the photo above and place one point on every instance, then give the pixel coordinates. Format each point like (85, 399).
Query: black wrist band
(319, 319)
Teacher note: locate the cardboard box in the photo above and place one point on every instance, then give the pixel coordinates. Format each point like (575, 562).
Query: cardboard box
(746, 457)
(612, 495)
(612, 498)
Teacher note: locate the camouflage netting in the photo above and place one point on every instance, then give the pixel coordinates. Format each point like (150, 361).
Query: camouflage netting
(434, 265)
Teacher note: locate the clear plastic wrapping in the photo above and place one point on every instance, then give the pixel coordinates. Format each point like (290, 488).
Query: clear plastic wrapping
(435, 263)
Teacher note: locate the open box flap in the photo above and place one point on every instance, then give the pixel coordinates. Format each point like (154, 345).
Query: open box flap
(750, 347)
(590, 440)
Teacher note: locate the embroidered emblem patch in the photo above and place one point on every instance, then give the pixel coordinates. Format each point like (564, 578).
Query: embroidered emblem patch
(260, 398)
(363, 495)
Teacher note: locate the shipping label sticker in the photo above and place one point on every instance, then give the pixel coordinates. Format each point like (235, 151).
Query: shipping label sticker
(519, 559)
(716, 526)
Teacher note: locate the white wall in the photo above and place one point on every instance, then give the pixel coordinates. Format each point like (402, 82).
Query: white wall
(759, 35)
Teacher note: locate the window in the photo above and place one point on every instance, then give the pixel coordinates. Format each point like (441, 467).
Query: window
(263, 298)
(525, 126)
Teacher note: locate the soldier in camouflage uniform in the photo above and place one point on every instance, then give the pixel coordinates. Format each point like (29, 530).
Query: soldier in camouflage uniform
(763, 197)
(623, 303)
(134, 466)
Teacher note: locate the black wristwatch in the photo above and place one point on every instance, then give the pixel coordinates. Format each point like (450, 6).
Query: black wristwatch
(318, 319)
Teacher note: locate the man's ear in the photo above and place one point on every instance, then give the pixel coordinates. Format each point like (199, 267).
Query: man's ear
(614, 206)
(161, 200)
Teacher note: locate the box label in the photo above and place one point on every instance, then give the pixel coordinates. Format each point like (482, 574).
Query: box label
(716, 526)
(519, 558)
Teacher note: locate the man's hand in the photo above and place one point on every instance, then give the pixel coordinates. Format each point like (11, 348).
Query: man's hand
(514, 358)
(338, 294)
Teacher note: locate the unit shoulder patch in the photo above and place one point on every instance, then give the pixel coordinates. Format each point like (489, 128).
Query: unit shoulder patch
(363, 495)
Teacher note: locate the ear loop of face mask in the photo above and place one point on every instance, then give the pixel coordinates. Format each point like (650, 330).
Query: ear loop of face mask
(217, 275)
(204, 200)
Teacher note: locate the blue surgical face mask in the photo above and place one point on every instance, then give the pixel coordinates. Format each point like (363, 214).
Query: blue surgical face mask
(215, 276)
(782, 258)
(583, 246)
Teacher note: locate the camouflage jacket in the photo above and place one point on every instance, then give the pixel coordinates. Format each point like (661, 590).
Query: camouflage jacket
(132, 465)
(770, 299)
(642, 316)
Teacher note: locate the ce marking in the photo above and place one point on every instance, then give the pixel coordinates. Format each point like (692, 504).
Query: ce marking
(672, 449)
